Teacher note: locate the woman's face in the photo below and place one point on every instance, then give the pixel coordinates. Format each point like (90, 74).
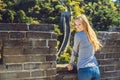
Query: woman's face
(78, 25)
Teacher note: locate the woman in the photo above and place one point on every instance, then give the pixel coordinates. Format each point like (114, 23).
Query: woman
(85, 45)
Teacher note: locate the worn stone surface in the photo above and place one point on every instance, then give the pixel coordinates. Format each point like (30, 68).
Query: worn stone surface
(28, 52)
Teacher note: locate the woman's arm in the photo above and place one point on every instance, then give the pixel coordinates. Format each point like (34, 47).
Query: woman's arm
(75, 50)
(74, 53)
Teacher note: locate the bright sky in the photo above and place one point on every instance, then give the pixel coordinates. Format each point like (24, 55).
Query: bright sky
(113, 0)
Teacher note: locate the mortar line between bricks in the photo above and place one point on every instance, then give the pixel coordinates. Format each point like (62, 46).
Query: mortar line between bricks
(37, 77)
(107, 52)
(14, 71)
(51, 36)
(31, 55)
(27, 70)
(108, 65)
(30, 69)
(44, 69)
(31, 62)
(111, 77)
(47, 43)
(28, 31)
(22, 66)
(109, 71)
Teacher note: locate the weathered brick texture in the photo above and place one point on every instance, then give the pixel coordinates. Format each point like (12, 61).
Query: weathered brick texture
(108, 58)
(29, 52)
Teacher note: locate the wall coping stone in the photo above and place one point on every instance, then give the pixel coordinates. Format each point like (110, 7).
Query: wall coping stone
(26, 27)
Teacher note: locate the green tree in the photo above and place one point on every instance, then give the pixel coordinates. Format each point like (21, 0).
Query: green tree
(2, 6)
(11, 14)
(8, 16)
(22, 18)
(117, 3)
(102, 14)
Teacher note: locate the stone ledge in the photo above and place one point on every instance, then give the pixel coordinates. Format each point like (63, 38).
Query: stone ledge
(61, 68)
(26, 27)
(64, 74)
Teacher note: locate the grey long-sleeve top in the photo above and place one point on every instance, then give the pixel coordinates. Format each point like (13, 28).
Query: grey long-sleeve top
(84, 50)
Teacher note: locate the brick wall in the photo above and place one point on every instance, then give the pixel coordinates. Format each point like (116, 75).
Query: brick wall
(117, 29)
(28, 52)
(108, 58)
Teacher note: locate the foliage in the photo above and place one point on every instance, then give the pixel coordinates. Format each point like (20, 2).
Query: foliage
(64, 58)
(57, 30)
(74, 7)
(117, 3)
(101, 13)
(31, 11)
(2, 6)
(69, 50)
(8, 16)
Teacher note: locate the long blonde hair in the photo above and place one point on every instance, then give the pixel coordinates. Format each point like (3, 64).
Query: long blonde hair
(89, 31)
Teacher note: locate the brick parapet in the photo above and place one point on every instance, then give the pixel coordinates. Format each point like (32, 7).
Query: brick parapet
(29, 52)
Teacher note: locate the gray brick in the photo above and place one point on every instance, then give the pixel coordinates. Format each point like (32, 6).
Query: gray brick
(13, 27)
(2, 67)
(32, 66)
(41, 27)
(54, 35)
(51, 58)
(38, 73)
(51, 72)
(12, 51)
(4, 35)
(39, 43)
(17, 35)
(13, 75)
(35, 58)
(52, 43)
(13, 43)
(42, 50)
(39, 35)
(13, 67)
(53, 51)
(14, 59)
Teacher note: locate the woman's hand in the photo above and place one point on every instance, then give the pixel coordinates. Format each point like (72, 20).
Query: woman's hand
(70, 67)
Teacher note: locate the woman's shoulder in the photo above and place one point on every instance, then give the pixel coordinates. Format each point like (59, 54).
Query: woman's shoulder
(81, 33)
